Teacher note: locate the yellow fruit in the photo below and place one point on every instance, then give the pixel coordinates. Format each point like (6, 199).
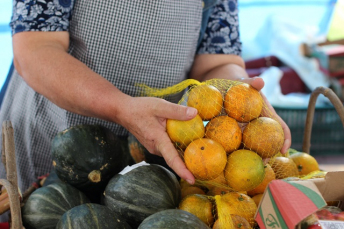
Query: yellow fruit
(207, 99)
(183, 132)
(226, 131)
(205, 158)
(244, 170)
(284, 167)
(305, 163)
(235, 203)
(257, 198)
(243, 102)
(234, 222)
(200, 206)
(269, 176)
(264, 136)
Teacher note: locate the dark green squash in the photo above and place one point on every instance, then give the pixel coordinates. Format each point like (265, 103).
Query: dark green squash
(142, 192)
(88, 156)
(90, 216)
(46, 205)
(51, 178)
(172, 219)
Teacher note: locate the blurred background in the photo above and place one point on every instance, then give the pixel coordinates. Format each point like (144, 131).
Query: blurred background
(286, 42)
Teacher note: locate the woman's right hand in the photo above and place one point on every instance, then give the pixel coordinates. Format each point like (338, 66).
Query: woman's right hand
(145, 118)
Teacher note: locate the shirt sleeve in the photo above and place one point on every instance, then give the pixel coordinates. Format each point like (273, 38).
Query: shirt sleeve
(41, 15)
(222, 33)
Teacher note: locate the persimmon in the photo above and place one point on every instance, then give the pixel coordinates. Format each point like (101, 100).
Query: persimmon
(199, 205)
(236, 203)
(207, 99)
(244, 170)
(283, 167)
(305, 163)
(226, 131)
(205, 158)
(182, 133)
(264, 136)
(269, 176)
(243, 102)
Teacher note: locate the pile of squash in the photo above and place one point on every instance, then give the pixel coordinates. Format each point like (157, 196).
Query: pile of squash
(95, 184)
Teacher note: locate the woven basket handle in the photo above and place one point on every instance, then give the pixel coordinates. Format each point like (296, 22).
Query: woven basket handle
(11, 184)
(310, 113)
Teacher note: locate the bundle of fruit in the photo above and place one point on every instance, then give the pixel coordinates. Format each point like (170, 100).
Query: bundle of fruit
(232, 147)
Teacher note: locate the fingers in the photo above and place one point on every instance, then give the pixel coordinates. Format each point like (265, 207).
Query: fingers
(256, 82)
(270, 111)
(175, 111)
(287, 138)
(174, 161)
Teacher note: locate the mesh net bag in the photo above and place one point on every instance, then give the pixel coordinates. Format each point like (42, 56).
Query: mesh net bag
(232, 147)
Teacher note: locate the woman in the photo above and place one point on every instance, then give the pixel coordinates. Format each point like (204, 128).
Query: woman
(78, 62)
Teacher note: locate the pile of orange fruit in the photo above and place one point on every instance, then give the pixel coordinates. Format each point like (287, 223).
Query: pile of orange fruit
(233, 151)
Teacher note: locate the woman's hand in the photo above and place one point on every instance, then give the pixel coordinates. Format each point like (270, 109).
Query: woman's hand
(146, 120)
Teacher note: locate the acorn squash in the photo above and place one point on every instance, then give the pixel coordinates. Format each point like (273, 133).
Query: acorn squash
(141, 192)
(46, 205)
(51, 178)
(90, 216)
(171, 219)
(88, 156)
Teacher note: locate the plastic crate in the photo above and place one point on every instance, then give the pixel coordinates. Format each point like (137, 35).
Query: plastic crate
(327, 137)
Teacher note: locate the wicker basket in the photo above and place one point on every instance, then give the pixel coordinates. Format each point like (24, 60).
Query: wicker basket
(327, 135)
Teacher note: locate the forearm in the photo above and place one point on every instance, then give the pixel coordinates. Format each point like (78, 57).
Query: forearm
(209, 66)
(227, 71)
(67, 82)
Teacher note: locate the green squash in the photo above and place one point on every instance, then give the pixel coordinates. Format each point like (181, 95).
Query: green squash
(45, 206)
(172, 219)
(88, 156)
(142, 192)
(90, 216)
(51, 178)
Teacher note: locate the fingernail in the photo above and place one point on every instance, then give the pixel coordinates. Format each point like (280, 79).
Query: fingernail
(191, 112)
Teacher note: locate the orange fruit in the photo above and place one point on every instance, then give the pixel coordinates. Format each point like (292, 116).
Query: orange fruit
(257, 198)
(199, 205)
(205, 158)
(207, 99)
(182, 133)
(283, 167)
(244, 170)
(264, 136)
(235, 203)
(191, 190)
(235, 221)
(226, 131)
(243, 102)
(269, 176)
(305, 163)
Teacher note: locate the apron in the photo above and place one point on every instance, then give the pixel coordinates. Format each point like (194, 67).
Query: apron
(126, 42)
